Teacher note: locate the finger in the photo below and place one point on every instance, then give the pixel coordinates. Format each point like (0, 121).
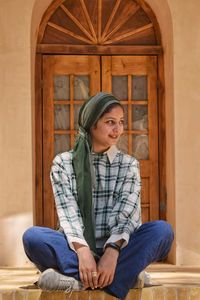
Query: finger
(81, 276)
(95, 280)
(101, 280)
(110, 279)
(85, 280)
(82, 280)
(90, 280)
(105, 281)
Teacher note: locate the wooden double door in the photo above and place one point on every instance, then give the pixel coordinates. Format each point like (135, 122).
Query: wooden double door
(68, 81)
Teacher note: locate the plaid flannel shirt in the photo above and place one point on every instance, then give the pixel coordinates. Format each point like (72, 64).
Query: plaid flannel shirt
(116, 197)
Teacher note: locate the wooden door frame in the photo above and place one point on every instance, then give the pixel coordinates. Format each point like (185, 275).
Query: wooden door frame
(111, 51)
(96, 47)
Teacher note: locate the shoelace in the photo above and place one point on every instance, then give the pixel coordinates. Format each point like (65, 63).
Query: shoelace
(62, 285)
(69, 290)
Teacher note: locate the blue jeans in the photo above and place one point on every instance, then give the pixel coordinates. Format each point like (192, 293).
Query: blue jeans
(48, 248)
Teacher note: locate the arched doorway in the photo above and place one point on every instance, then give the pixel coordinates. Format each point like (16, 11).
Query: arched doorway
(87, 46)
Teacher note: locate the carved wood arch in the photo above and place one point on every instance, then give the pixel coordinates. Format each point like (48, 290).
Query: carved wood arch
(98, 23)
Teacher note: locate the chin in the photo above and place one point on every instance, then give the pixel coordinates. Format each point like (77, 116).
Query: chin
(113, 143)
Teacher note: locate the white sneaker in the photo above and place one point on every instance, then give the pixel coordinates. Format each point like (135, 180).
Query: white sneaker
(140, 281)
(144, 279)
(147, 279)
(51, 280)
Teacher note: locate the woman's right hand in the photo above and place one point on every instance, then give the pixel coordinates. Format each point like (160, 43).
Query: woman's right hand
(87, 267)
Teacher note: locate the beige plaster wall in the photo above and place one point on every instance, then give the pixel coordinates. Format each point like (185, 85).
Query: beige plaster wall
(19, 21)
(164, 18)
(16, 188)
(186, 24)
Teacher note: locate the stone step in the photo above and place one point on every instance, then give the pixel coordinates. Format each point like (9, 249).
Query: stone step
(170, 283)
(152, 293)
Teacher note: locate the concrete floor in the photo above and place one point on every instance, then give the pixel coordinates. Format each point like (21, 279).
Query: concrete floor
(171, 283)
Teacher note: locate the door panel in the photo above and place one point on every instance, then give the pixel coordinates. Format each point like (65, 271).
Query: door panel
(133, 79)
(68, 81)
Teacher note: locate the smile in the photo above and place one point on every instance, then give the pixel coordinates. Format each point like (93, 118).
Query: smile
(113, 136)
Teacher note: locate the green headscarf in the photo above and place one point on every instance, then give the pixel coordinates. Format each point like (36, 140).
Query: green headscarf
(89, 114)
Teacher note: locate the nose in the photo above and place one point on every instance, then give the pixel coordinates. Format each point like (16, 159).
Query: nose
(116, 128)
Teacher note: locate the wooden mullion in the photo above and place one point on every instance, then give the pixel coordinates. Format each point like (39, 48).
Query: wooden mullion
(136, 132)
(64, 131)
(107, 73)
(145, 205)
(67, 102)
(71, 110)
(140, 102)
(130, 139)
(99, 49)
(94, 73)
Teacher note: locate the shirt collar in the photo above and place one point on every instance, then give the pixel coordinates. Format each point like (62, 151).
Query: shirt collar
(111, 153)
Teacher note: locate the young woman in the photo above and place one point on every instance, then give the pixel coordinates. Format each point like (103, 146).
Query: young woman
(101, 242)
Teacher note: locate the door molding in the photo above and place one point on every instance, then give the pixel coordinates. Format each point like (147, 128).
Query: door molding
(53, 39)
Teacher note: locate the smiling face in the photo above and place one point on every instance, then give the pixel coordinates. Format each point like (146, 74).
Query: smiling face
(107, 130)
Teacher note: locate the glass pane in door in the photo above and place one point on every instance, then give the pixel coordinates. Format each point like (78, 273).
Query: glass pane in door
(61, 87)
(141, 146)
(140, 117)
(139, 87)
(61, 143)
(81, 87)
(125, 117)
(123, 143)
(120, 87)
(76, 113)
(61, 117)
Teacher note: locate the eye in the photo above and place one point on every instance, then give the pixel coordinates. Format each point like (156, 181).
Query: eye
(110, 122)
(122, 122)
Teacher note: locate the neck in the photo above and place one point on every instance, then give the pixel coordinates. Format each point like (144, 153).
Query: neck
(99, 149)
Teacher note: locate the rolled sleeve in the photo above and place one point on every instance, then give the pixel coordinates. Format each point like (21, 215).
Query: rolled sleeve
(66, 205)
(126, 213)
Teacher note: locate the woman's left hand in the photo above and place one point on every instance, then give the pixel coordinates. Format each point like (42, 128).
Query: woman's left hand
(106, 267)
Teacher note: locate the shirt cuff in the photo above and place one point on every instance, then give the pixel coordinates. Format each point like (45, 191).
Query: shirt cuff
(73, 239)
(116, 237)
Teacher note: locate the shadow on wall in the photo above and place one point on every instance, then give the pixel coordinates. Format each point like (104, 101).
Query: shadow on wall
(11, 231)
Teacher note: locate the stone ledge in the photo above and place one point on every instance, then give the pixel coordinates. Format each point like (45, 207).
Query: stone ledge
(151, 293)
(172, 284)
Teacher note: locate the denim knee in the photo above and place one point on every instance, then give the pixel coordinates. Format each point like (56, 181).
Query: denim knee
(164, 229)
(30, 237)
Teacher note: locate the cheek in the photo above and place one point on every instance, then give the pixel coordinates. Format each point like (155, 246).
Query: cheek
(103, 128)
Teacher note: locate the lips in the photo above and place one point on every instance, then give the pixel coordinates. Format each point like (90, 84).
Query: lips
(113, 136)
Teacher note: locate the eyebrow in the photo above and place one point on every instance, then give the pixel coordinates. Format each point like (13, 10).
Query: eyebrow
(108, 118)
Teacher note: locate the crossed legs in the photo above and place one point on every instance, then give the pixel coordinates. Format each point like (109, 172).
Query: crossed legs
(48, 248)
